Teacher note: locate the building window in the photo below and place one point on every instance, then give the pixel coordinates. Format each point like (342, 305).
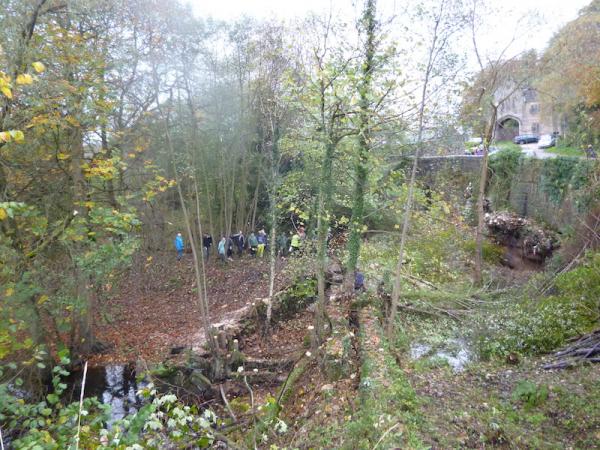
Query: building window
(535, 128)
(529, 95)
(534, 108)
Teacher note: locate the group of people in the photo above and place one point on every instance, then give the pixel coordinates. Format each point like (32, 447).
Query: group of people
(256, 245)
(237, 243)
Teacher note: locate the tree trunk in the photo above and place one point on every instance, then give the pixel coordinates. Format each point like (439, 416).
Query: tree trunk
(274, 166)
(477, 273)
(431, 59)
(364, 143)
(199, 273)
(325, 197)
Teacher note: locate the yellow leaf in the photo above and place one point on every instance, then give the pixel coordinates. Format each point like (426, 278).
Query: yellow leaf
(6, 91)
(4, 136)
(9, 292)
(38, 66)
(149, 258)
(24, 78)
(131, 155)
(62, 156)
(17, 135)
(89, 205)
(72, 121)
(43, 299)
(3, 214)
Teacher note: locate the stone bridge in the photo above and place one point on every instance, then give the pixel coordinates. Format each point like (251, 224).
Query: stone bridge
(464, 164)
(527, 197)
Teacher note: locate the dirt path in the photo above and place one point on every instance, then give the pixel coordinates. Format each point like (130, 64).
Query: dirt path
(156, 306)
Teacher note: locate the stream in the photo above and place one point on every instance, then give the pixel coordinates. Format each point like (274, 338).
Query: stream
(455, 352)
(115, 385)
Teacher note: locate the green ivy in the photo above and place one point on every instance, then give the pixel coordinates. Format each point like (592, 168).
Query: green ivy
(557, 174)
(503, 167)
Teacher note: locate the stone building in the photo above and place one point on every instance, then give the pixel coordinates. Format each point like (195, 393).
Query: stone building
(526, 111)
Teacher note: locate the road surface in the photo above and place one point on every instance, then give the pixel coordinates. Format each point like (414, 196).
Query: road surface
(533, 151)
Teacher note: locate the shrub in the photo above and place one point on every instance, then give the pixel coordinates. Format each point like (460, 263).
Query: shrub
(533, 326)
(530, 393)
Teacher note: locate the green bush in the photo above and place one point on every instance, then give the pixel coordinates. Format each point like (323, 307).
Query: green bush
(534, 326)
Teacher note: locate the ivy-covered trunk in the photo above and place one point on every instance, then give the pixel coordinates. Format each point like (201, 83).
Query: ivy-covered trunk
(364, 143)
(325, 196)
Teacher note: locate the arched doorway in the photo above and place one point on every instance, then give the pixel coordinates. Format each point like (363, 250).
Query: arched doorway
(507, 128)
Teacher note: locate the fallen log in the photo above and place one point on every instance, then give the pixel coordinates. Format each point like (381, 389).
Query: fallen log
(584, 349)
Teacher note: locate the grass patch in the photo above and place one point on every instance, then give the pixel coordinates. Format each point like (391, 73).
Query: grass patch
(508, 145)
(388, 408)
(564, 150)
(493, 406)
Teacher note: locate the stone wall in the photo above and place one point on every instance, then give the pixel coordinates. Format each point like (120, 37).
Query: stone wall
(454, 163)
(527, 196)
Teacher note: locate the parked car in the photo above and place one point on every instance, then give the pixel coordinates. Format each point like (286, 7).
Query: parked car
(526, 139)
(547, 141)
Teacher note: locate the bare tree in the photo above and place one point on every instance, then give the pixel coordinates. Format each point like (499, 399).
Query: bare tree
(445, 20)
(499, 79)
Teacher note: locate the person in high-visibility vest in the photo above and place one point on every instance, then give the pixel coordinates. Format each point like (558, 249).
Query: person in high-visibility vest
(297, 239)
(262, 243)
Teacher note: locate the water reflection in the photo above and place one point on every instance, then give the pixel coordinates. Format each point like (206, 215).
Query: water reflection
(455, 352)
(114, 385)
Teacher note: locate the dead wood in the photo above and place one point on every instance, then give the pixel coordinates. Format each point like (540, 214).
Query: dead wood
(584, 349)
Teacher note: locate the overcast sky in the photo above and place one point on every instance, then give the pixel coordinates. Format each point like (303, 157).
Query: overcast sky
(552, 14)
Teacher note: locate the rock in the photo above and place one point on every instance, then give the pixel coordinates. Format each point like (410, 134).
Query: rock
(177, 350)
(334, 273)
(512, 358)
(334, 267)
